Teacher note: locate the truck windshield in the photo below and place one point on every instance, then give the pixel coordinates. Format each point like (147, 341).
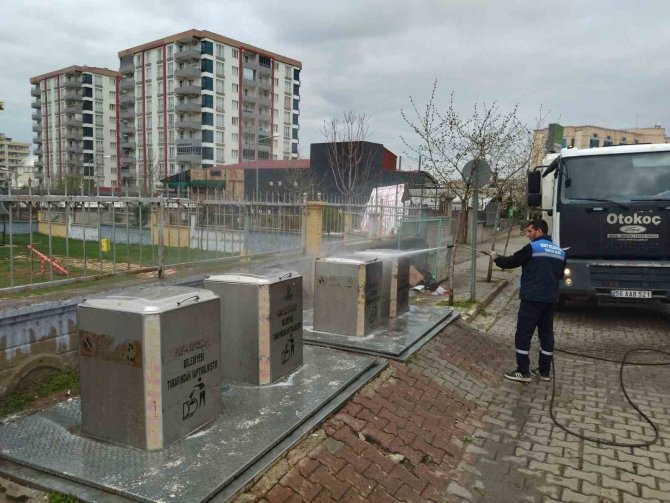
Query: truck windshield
(618, 177)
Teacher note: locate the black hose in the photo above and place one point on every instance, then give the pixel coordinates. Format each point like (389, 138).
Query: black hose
(623, 363)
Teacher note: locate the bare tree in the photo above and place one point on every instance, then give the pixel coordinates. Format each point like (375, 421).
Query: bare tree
(508, 183)
(302, 180)
(348, 156)
(447, 140)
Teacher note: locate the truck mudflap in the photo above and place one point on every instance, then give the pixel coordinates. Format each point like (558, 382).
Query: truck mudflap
(610, 282)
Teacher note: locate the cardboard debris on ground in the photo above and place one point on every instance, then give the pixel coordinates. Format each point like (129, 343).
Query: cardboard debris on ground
(415, 277)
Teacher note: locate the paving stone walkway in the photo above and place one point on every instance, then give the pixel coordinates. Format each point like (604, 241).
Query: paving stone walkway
(446, 427)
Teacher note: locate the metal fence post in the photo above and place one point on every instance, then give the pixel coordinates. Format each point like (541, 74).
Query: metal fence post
(160, 235)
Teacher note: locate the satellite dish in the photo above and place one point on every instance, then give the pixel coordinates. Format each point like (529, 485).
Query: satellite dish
(478, 171)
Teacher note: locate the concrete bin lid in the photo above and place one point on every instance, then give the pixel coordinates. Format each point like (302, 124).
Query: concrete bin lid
(382, 253)
(255, 277)
(351, 260)
(155, 299)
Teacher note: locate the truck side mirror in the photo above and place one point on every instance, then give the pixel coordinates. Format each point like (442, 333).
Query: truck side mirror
(534, 182)
(534, 188)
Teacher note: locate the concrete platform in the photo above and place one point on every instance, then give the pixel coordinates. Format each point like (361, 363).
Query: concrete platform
(258, 424)
(394, 338)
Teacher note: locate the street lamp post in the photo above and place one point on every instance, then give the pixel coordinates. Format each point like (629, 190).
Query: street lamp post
(258, 140)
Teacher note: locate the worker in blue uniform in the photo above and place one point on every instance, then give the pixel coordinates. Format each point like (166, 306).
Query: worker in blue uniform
(542, 264)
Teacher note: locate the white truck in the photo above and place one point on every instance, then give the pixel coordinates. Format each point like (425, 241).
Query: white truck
(609, 208)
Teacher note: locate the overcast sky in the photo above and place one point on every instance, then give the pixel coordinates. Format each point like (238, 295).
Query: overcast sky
(589, 62)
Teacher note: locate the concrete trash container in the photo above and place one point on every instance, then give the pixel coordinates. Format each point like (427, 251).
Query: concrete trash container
(149, 364)
(395, 280)
(347, 297)
(261, 322)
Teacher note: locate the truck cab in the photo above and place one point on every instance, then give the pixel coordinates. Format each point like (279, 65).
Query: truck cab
(609, 208)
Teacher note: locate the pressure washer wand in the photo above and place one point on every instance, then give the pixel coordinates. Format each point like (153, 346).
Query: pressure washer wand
(471, 248)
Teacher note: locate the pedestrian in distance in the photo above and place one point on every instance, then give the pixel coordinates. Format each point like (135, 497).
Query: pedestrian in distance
(542, 264)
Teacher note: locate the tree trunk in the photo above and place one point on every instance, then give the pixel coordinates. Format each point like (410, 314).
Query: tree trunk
(462, 223)
(489, 273)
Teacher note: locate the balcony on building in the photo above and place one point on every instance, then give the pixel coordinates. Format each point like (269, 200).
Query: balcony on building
(37, 140)
(127, 159)
(127, 83)
(37, 128)
(127, 68)
(188, 106)
(38, 151)
(188, 53)
(38, 164)
(35, 91)
(37, 116)
(189, 150)
(265, 83)
(188, 124)
(74, 83)
(128, 113)
(127, 129)
(73, 134)
(188, 90)
(73, 109)
(36, 104)
(188, 72)
(74, 149)
(72, 122)
(128, 144)
(126, 98)
(72, 95)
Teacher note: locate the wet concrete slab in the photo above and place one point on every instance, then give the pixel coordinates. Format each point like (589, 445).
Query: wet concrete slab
(394, 338)
(257, 425)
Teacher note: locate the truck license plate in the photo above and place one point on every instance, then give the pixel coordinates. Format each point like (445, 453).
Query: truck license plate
(631, 294)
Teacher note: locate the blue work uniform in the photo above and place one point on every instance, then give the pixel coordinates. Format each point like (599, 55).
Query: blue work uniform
(542, 264)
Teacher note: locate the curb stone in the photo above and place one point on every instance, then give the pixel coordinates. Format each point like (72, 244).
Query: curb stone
(472, 313)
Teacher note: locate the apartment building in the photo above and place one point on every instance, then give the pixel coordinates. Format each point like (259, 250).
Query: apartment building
(199, 100)
(75, 119)
(557, 136)
(13, 156)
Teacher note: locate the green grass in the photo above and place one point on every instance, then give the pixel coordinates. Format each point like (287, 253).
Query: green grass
(66, 379)
(76, 250)
(62, 498)
(462, 304)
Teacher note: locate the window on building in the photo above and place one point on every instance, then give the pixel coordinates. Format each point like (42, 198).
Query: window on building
(234, 121)
(235, 154)
(207, 65)
(219, 155)
(219, 51)
(288, 87)
(220, 105)
(287, 132)
(170, 69)
(220, 137)
(207, 119)
(288, 102)
(220, 69)
(236, 53)
(595, 142)
(235, 70)
(98, 80)
(220, 121)
(236, 88)
(169, 51)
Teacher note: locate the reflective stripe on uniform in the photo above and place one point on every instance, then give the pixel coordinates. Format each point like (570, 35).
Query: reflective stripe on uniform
(521, 351)
(549, 353)
(548, 255)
